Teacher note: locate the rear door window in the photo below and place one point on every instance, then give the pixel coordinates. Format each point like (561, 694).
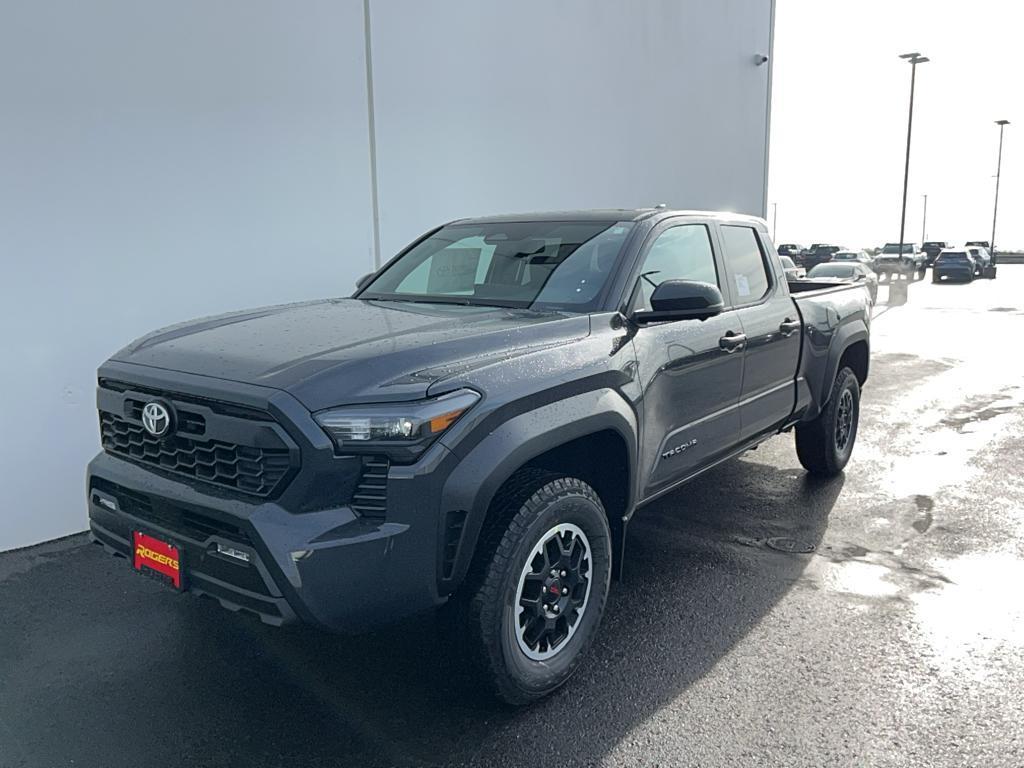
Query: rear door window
(746, 263)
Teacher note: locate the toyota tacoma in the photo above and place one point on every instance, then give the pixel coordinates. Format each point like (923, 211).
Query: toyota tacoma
(475, 426)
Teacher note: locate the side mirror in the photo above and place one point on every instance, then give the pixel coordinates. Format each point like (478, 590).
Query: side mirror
(362, 281)
(682, 300)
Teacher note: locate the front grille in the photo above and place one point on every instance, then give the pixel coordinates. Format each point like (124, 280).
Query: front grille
(244, 468)
(371, 496)
(226, 409)
(186, 422)
(186, 523)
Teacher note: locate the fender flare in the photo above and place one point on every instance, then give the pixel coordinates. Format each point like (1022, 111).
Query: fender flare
(476, 479)
(846, 336)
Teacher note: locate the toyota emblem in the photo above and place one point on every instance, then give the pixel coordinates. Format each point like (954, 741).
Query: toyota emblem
(156, 419)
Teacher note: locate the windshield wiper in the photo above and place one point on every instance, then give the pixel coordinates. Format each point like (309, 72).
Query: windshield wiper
(438, 300)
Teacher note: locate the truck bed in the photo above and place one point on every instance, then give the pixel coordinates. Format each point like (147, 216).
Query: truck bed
(815, 287)
(831, 312)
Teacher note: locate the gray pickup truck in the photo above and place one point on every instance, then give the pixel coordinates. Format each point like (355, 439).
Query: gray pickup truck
(475, 426)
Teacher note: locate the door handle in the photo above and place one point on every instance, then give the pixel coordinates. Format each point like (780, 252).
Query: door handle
(789, 326)
(732, 342)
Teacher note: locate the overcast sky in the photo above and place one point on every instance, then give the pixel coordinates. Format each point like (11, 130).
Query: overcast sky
(839, 120)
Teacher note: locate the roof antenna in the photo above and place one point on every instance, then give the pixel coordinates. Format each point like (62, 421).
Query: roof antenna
(661, 205)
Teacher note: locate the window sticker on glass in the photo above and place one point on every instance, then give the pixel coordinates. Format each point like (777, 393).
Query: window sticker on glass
(742, 285)
(453, 270)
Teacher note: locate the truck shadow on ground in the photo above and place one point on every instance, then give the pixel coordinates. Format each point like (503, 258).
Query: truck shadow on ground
(698, 578)
(195, 685)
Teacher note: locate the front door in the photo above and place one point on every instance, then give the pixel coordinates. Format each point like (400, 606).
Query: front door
(690, 377)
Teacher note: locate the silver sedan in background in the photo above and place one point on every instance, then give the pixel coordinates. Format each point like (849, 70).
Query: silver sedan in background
(852, 271)
(861, 257)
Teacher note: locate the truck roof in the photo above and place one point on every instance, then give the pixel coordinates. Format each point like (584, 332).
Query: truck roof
(610, 215)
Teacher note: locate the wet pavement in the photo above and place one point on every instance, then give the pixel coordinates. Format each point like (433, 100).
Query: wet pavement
(766, 619)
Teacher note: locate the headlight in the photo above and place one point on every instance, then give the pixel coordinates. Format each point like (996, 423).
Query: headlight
(401, 430)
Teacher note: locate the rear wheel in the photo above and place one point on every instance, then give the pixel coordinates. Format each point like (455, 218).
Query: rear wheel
(825, 444)
(538, 589)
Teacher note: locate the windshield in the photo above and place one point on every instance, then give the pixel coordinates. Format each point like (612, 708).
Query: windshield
(895, 248)
(844, 255)
(952, 256)
(549, 264)
(832, 270)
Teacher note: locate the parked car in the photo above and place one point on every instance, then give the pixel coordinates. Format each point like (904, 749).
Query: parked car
(931, 249)
(982, 258)
(954, 264)
(861, 257)
(793, 272)
(790, 249)
(476, 425)
(983, 244)
(854, 271)
(819, 253)
(892, 261)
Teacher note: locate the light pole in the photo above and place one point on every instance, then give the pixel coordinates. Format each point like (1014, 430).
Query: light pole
(924, 220)
(999, 164)
(914, 59)
(775, 217)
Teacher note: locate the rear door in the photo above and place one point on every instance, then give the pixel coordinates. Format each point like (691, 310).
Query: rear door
(690, 370)
(771, 326)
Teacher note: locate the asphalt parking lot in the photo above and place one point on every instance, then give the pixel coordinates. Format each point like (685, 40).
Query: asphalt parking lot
(765, 619)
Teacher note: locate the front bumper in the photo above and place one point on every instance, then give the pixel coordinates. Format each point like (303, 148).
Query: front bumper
(330, 568)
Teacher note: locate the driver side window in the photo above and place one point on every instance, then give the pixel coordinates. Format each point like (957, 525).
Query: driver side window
(679, 253)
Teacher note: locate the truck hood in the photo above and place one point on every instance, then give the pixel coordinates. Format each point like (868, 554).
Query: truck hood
(339, 351)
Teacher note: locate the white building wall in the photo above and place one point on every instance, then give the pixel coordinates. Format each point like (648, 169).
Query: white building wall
(160, 161)
(489, 107)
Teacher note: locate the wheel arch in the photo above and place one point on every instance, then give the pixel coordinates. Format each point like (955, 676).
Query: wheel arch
(851, 346)
(857, 358)
(568, 436)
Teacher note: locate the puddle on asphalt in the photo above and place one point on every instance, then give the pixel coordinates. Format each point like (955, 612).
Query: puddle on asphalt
(854, 570)
(943, 450)
(858, 578)
(971, 623)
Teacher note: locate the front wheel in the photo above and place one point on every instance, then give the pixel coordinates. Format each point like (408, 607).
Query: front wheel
(825, 444)
(539, 586)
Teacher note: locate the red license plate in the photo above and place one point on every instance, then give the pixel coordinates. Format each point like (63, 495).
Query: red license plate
(156, 556)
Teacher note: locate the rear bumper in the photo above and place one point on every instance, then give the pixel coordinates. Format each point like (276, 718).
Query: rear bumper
(894, 267)
(329, 567)
(946, 273)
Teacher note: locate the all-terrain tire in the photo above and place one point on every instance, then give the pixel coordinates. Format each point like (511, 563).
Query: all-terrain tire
(528, 507)
(825, 444)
